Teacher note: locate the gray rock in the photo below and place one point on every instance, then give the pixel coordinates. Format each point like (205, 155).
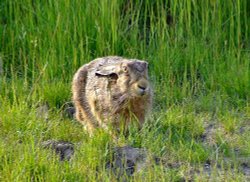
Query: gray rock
(64, 149)
(68, 110)
(128, 160)
(245, 167)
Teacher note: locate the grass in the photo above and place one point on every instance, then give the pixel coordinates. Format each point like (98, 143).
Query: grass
(198, 52)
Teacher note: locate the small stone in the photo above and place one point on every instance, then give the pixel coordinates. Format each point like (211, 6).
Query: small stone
(68, 110)
(64, 149)
(245, 168)
(128, 160)
(207, 166)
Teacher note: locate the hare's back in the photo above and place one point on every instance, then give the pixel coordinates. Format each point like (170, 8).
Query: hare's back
(96, 63)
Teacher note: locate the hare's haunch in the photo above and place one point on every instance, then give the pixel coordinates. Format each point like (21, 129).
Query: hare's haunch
(111, 90)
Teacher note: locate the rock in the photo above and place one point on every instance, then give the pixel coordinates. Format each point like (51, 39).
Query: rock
(64, 149)
(128, 160)
(68, 110)
(210, 133)
(245, 167)
(244, 127)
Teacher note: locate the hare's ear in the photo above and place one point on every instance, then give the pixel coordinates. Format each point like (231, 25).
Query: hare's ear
(139, 65)
(107, 70)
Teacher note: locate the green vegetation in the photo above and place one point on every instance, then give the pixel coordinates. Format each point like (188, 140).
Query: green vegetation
(199, 56)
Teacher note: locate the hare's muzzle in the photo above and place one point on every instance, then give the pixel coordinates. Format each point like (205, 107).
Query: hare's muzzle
(142, 88)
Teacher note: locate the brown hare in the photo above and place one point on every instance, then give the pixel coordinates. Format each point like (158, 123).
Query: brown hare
(112, 91)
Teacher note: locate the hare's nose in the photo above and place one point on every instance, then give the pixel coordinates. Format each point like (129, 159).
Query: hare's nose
(142, 89)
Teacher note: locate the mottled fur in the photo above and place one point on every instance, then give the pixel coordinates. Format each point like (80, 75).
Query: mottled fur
(111, 91)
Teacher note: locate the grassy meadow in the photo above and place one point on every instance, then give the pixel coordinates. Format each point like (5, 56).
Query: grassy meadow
(199, 63)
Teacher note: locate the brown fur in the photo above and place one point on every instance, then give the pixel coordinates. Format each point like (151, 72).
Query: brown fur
(111, 90)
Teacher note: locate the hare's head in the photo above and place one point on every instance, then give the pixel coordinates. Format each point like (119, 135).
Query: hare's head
(129, 76)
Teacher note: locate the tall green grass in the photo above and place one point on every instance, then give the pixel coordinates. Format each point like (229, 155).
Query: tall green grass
(199, 59)
(199, 53)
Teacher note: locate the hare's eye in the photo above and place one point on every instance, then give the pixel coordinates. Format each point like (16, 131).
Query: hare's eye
(125, 69)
